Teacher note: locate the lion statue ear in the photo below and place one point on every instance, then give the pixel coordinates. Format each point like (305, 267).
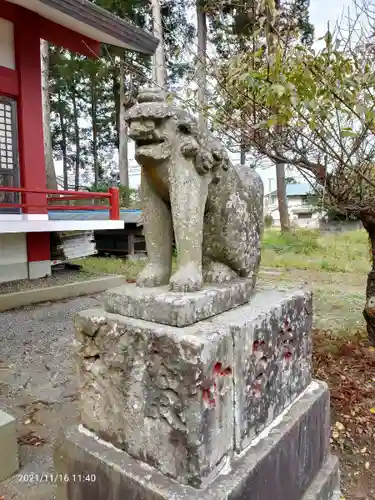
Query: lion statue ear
(221, 158)
(207, 155)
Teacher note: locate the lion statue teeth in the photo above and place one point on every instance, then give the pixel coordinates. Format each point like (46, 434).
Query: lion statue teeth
(191, 190)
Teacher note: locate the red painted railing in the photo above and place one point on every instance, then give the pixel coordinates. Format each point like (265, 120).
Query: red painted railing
(113, 197)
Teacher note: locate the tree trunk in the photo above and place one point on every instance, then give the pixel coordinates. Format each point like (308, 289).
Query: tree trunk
(63, 143)
(369, 310)
(242, 153)
(116, 100)
(94, 132)
(201, 65)
(51, 180)
(159, 57)
(123, 131)
(77, 140)
(281, 197)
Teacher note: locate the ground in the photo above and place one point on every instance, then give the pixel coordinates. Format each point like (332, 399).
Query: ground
(37, 378)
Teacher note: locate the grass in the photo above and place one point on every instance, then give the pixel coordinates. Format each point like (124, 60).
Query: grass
(346, 252)
(108, 265)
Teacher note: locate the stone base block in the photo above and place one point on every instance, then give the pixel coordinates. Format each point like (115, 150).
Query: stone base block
(176, 397)
(290, 460)
(147, 389)
(326, 485)
(184, 399)
(8, 446)
(160, 305)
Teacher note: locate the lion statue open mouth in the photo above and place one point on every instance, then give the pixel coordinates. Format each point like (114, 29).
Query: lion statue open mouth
(190, 187)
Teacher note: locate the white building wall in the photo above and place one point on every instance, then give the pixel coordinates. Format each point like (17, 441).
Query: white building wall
(7, 54)
(13, 257)
(294, 202)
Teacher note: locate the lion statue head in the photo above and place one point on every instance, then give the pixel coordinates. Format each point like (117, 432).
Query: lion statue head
(160, 130)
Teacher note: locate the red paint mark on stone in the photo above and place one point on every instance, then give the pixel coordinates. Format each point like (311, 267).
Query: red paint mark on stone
(257, 345)
(257, 389)
(288, 356)
(208, 396)
(222, 372)
(218, 367)
(286, 327)
(227, 371)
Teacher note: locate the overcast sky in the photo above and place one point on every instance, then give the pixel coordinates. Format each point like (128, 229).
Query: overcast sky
(324, 11)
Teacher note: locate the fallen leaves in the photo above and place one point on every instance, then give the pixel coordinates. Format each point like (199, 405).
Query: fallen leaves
(340, 426)
(348, 366)
(31, 439)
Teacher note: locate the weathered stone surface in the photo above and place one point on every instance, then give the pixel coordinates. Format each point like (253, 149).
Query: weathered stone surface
(291, 460)
(273, 357)
(160, 305)
(190, 188)
(174, 397)
(163, 394)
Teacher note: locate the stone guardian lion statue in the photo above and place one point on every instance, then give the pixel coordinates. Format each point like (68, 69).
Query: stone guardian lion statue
(189, 186)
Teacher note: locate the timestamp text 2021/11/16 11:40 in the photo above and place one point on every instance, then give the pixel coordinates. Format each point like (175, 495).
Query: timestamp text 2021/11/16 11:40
(56, 478)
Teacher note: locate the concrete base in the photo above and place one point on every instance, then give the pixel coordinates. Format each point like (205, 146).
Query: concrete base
(13, 252)
(39, 269)
(8, 446)
(14, 272)
(162, 306)
(31, 296)
(326, 485)
(290, 459)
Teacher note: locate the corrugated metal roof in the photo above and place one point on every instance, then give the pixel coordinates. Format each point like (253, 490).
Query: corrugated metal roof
(298, 189)
(128, 216)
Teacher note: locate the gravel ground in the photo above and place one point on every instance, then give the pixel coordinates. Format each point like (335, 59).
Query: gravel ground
(58, 278)
(38, 386)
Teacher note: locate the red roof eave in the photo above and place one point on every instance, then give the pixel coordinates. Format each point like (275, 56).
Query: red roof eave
(64, 37)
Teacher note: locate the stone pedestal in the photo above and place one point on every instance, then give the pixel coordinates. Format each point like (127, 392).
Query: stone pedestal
(220, 408)
(162, 306)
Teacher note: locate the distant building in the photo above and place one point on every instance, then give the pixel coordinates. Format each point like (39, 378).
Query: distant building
(302, 205)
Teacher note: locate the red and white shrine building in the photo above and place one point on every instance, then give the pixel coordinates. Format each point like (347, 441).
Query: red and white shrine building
(81, 27)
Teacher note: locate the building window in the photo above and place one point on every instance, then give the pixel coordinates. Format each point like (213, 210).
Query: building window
(8, 151)
(6, 136)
